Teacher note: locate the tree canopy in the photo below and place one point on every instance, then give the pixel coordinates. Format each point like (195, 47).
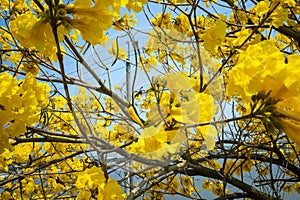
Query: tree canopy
(217, 114)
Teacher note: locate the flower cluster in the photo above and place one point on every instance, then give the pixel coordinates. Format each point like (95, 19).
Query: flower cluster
(269, 72)
(20, 105)
(182, 106)
(92, 181)
(90, 20)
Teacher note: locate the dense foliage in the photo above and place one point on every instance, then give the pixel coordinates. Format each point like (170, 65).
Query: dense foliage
(217, 115)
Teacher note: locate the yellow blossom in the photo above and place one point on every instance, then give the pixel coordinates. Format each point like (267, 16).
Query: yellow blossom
(134, 116)
(117, 50)
(279, 16)
(30, 31)
(182, 24)
(287, 188)
(92, 21)
(125, 22)
(262, 8)
(84, 195)
(291, 128)
(268, 73)
(218, 188)
(20, 105)
(296, 187)
(162, 20)
(206, 184)
(152, 139)
(91, 178)
(187, 181)
(30, 68)
(21, 27)
(214, 36)
(110, 190)
(136, 5)
(172, 184)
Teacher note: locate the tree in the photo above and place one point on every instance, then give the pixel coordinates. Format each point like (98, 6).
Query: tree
(219, 117)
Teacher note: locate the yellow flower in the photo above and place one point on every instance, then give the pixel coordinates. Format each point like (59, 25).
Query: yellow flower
(21, 28)
(206, 184)
(172, 184)
(262, 8)
(187, 181)
(291, 128)
(5, 195)
(134, 116)
(152, 143)
(124, 22)
(30, 68)
(264, 74)
(4, 139)
(214, 36)
(91, 178)
(20, 105)
(247, 165)
(158, 113)
(152, 139)
(4, 4)
(232, 167)
(135, 5)
(296, 187)
(22, 152)
(176, 136)
(110, 191)
(117, 50)
(84, 195)
(149, 63)
(162, 20)
(183, 105)
(218, 188)
(287, 188)
(36, 33)
(182, 23)
(42, 31)
(279, 16)
(290, 3)
(92, 21)
(268, 73)
(188, 191)
(208, 133)
(191, 103)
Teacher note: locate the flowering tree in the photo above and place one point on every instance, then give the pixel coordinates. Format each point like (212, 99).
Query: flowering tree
(218, 118)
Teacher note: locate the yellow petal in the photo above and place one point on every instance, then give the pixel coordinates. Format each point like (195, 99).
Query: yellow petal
(112, 190)
(291, 129)
(134, 116)
(214, 36)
